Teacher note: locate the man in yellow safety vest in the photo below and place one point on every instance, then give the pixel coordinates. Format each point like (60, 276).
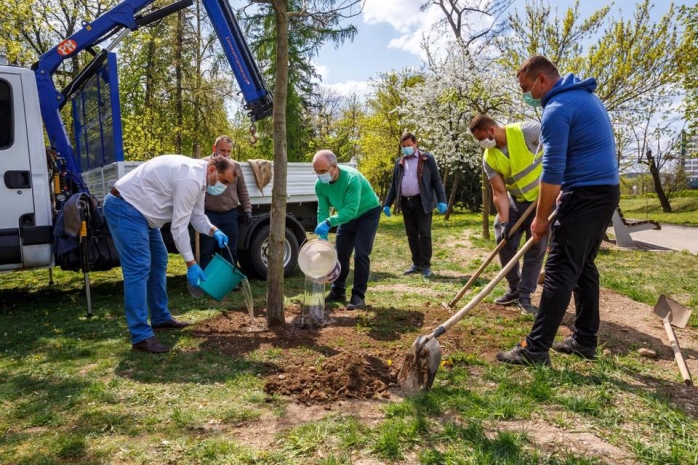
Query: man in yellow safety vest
(512, 163)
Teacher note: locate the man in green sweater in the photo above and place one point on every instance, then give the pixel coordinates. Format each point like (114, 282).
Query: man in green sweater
(357, 211)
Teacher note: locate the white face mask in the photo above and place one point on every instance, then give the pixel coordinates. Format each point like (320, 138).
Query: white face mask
(216, 189)
(487, 143)
(325, 178)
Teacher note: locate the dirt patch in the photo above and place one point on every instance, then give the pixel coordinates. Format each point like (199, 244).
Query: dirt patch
(357, 356)
(555, 440)
(342, 376)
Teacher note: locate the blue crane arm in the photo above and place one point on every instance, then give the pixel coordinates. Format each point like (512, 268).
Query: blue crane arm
(51, 100)
(125, 15)
(257, 97)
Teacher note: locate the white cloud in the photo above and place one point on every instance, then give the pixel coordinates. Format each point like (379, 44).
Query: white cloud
(414, 26)
(347, 88)
(400, 14)
(322, 70)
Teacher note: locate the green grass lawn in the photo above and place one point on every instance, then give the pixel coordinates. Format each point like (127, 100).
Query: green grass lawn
(73, 392)
(684, 210)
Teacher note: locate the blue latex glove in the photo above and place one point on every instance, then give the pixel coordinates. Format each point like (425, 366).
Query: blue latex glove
(221, 238)
(442, 208)
(386, 210)
(323, 229)
(195, 274)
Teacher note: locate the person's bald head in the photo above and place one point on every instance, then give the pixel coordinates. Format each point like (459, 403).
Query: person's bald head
(325, 161)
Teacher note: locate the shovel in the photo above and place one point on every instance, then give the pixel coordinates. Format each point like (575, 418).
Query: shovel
(673, 313)
(449, 306)
(422, 360)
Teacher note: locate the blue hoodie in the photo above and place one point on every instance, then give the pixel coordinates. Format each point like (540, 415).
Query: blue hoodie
(578, 144)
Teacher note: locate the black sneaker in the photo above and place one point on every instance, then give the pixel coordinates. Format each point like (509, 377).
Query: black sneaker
(426, 272)
(355, 303)
(413, 269)
(527, 308)
(520, 355)
(510, 298)
(335, 297)
(571, 346)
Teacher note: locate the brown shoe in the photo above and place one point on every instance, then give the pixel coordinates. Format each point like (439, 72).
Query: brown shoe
(172, 324)
(150, 345)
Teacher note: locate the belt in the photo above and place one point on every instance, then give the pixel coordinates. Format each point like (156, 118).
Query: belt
(115, 192)
(411, 198)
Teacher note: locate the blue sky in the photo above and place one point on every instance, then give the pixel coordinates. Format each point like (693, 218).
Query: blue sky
(390, 32)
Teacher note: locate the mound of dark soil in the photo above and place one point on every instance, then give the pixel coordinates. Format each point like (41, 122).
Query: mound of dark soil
(341, 376)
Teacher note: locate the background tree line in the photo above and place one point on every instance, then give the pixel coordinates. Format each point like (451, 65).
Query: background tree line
(177, 92)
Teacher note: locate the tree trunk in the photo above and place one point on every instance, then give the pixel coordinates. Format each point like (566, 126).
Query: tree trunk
(654, 171)
(485, 206)
(275, 274)
(454, 191)
(179, 107)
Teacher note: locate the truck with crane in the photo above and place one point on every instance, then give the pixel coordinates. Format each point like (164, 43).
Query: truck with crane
(43, 184)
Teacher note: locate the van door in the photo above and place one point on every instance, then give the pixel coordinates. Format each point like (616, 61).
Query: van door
(17, 181)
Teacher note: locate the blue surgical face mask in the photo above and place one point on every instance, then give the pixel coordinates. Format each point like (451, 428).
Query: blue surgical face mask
(528, 97)
(325, 178)
(408, 151)
(216, 189)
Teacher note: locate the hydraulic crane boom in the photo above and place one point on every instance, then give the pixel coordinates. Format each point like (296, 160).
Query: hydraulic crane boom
(119, 21)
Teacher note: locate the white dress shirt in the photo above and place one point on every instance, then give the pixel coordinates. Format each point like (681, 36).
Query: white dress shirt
(169, 188)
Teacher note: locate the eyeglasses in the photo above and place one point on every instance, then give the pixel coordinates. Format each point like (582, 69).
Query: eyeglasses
(325, 171)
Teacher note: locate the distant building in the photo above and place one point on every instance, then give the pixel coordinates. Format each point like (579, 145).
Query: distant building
(689, 159)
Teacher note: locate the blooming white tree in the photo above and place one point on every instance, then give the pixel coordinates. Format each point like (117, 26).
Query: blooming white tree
(439, 110)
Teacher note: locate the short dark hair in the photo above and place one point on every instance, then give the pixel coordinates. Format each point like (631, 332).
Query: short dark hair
(408, 135)
(222, 164)
(538, 64)
(482, 122)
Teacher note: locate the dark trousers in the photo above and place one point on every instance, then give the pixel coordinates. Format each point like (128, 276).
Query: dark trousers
(578, 228)
(228, 223)
(356, 236)
(418, 229)
(525, 278)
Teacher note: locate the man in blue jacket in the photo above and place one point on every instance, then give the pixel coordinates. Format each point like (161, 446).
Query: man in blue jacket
(417, 186)
(580, 175)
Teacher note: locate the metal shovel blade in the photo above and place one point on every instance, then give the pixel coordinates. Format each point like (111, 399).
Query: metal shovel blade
(419, 365)
(677, 313)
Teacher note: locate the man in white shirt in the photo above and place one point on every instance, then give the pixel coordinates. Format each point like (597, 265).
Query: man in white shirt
(168, 188)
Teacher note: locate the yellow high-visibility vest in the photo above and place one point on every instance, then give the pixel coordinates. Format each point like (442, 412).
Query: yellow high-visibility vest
(521, 169)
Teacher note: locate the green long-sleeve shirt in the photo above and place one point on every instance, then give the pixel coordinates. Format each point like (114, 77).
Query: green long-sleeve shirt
(351, 195)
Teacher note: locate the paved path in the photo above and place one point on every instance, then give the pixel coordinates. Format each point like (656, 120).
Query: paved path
(670, 237)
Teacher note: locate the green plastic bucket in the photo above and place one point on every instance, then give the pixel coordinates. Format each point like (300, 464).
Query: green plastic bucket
(221, 278)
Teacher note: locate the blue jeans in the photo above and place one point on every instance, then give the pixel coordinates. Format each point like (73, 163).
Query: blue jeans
(228, 223)
(356, 236)
(143, 257)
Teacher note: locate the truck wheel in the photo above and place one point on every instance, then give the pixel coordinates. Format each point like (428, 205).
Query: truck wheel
(258, 252)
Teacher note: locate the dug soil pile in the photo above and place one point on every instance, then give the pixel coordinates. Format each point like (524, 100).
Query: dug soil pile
(342, 376)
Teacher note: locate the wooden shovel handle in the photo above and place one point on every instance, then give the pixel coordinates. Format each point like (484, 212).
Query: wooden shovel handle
(494, 253)
(677, 352)
(487, 289)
